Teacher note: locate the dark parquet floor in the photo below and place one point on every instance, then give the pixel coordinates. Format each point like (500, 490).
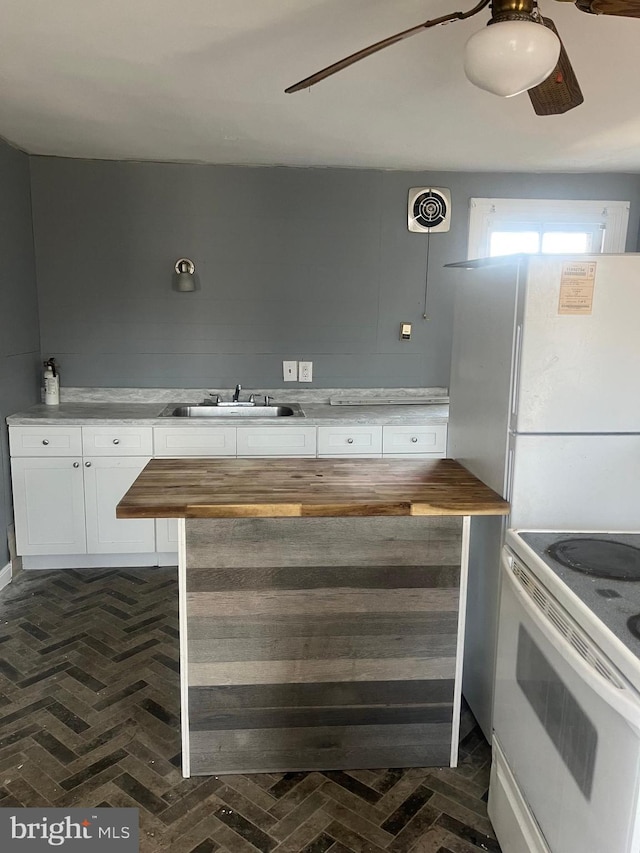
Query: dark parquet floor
(89, 716)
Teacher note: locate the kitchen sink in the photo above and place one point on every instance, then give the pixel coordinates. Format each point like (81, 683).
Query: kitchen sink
(229, 410)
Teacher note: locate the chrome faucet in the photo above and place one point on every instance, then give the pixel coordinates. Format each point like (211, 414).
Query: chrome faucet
(236, 394)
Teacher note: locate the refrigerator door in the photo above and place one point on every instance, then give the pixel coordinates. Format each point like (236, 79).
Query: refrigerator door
(579, 371)
(576, 482)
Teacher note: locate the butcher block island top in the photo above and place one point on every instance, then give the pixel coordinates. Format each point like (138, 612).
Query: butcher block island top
(321, 608)
(306, 488)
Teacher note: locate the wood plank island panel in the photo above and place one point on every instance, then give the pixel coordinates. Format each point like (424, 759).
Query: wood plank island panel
(321, 643)
(272, 488)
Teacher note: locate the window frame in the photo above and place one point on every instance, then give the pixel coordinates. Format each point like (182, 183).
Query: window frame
(484, 213)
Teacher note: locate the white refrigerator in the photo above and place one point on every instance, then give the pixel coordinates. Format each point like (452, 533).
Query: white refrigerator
(545, 409)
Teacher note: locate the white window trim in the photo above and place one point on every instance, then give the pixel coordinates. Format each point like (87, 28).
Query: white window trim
(613, 216)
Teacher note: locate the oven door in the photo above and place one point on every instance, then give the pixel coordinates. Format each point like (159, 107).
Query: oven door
(568, 723)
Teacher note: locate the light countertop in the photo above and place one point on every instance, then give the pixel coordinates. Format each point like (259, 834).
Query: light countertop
(148, 414)
(135, 408)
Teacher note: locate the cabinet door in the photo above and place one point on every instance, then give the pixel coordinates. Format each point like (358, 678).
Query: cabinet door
(48, 505)
(167, 535)
(106, 479)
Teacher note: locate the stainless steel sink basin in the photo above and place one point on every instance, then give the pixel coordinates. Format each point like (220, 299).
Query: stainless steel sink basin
(229, 410)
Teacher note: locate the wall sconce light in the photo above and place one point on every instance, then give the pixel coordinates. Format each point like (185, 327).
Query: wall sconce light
(185, 278)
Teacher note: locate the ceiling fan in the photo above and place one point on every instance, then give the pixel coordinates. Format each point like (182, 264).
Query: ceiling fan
(517, 51)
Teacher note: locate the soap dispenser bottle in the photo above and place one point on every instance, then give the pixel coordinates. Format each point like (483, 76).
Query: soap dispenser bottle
(51, 383)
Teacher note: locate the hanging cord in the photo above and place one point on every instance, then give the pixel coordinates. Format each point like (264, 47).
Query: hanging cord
(425, 316)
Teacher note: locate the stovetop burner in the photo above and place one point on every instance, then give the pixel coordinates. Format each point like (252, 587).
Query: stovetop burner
(599, 558)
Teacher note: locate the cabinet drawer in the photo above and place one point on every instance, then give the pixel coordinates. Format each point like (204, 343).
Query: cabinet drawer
(117, 441)
(194, 441)
(45, 441)
(415, 439)
(276, 441)
(347, 441)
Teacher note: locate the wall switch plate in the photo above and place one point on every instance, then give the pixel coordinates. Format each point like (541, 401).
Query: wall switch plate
(305, 371)
(405, 331)
(290, 371)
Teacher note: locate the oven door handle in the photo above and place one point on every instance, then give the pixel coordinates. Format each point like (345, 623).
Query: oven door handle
(622, 700)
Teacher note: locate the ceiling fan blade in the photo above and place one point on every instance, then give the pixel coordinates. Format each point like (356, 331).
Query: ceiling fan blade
(379, 45)
(623, 8)
(560, 92)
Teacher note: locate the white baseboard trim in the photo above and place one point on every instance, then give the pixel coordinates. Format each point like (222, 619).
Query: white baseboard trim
(90, 561)
(5, 576)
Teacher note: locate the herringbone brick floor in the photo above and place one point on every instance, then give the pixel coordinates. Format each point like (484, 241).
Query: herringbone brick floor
(89, 715)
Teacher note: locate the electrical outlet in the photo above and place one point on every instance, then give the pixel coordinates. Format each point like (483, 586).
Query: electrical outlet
(306, 371)
(290, 371)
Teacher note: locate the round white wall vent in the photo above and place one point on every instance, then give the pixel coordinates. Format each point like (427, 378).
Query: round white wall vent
(429, 209)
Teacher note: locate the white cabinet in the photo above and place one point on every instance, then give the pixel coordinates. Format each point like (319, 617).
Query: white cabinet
(67, 480)
(415, 441)
(45, 441)
(106, 480)
(167, 535)
(67, 505)
(194, 441)
(117, 441)
(350, 441)
(48, 500)
(277, 441)
(64, 503)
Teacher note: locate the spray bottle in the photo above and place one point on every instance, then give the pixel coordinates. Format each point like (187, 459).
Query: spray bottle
(51, 383)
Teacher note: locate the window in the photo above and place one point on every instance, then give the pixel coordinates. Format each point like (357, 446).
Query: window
(503, 226)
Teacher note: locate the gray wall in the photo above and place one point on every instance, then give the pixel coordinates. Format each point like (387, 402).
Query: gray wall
(293, 263)
(19, 336)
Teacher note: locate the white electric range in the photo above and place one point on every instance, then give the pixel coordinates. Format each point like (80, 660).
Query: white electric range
(566, 769)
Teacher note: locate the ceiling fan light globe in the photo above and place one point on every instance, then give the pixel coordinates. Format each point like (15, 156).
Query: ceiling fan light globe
(509, 57)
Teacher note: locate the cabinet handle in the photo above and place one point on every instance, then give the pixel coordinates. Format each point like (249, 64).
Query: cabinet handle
(76, 464)
(413, 439)
(45, 441)
(349, 441)
(116, 441)
(87, 464)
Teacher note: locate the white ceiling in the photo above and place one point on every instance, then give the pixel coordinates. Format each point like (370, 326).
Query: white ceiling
(203, 81)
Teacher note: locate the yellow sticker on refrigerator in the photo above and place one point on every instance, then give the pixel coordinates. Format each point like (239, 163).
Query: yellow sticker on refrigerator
(576, 287)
